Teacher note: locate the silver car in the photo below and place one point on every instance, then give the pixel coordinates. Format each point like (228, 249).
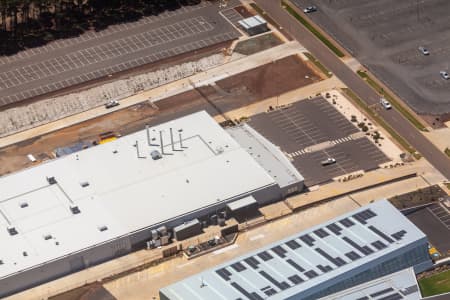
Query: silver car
(424, 50)
(385, 103)
(310, 9)
(444, 75)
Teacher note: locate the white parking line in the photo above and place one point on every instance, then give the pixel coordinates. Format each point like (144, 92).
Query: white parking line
(223, 250)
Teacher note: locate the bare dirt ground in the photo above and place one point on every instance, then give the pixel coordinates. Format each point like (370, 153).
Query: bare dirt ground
(259, 43)
(271, 79)
(89, 292)
(231, 93)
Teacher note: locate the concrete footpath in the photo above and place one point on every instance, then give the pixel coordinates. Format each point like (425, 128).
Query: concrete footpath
(377, 179)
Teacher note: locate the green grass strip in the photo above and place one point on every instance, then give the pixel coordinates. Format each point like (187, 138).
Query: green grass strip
(313, 30)
(381, 122)
(410, 117)
(436, 284)
(318, 64)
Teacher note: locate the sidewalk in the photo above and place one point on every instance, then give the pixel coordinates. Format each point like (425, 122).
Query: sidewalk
(173, 88)
(379, 176)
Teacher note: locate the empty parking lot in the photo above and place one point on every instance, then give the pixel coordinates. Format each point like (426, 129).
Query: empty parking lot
(434, 221)
(93, 55)
(385, 35)
(299, 128)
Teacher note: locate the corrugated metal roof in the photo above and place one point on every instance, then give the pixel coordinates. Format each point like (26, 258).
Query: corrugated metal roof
(399, 285)
(244, 202)
(305, 260)
(252, 22)
(269, 156)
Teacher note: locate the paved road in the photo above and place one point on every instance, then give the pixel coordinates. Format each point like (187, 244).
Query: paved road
(437, 158)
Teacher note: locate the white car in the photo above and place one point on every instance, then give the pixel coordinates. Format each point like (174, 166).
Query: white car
(424, 50)
(385, 103)
(310, 9)
(328, 161)
(111, 104)
(444, 75)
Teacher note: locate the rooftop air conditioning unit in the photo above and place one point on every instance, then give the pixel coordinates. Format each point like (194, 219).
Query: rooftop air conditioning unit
(155, 154)
(12, 230)
(74, 209)
(51, 180)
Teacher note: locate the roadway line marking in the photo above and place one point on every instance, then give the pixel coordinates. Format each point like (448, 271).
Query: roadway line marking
(184, 265)
(256, 237)
(223, 250)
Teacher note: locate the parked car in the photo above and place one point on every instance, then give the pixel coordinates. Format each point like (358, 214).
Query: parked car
(424, 50)
(111, 103)
(328, 161)
(310, 9)
(444, 75)
(385, 103)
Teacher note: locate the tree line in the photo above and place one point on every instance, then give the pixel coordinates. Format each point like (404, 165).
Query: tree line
(33, 23)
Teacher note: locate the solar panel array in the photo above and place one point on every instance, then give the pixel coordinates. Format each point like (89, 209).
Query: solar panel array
(308, 256)
(314, 261)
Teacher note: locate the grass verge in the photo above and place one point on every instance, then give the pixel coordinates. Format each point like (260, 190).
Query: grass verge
(318, 64)
(381, 122)
(436, 284)
(313, 30)
(410, 117)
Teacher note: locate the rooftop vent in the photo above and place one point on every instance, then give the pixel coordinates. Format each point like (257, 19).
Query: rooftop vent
(12, 230)
(23, 204)
(51, 180)
(84, 184)
(102, 228)
(155, 154)
(24, 253)
(74, 209)
(47, 237)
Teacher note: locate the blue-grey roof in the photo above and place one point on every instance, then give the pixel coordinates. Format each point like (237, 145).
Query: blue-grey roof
(306, 259)
(399, 285)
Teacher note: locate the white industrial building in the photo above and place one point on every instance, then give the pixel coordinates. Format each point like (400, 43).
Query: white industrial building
(357, 247)
(88, 207)
(254, 25)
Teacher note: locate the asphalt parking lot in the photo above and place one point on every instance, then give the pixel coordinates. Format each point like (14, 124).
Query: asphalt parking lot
(303, 124)
(351, 156)
(434, 221)
(385, 35)
(298, 128)
(120, 47)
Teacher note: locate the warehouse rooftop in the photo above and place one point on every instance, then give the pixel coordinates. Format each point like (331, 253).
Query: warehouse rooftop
(303, 261)
(399, 285)
(270, 157)
(108, 191)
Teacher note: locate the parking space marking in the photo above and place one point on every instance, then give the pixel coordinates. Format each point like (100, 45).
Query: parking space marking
(438, 212)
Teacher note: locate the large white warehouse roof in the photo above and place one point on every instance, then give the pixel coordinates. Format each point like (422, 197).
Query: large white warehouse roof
(119, 189)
